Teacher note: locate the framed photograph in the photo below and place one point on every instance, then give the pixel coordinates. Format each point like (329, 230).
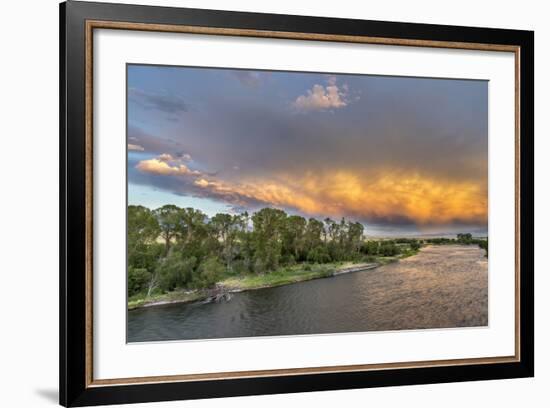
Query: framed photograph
(256, 203)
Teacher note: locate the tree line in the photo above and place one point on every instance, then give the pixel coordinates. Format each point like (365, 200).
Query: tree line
(172, 247)
(464, 239)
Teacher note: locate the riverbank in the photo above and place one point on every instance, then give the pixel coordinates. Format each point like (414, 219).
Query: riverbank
(286, 276)
(177, 296)
(280, 277)
(443, 286)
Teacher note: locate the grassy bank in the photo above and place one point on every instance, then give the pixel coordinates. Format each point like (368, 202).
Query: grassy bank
(282, 276)
(177, 296)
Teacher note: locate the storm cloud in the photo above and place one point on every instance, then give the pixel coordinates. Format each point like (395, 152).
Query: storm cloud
(384, 150)
(162, 101)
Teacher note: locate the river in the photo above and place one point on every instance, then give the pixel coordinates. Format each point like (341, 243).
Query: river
(441, 287)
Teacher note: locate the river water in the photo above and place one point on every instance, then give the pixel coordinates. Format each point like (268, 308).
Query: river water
(441, 287)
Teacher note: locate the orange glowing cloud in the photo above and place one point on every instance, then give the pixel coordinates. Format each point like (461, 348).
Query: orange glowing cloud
(391, 197)
(166, 165)
(384, 195)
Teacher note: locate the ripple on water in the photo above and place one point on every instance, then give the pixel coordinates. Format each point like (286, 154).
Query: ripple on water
(441, 287)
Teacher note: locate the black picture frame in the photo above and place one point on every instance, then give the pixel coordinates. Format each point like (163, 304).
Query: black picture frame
(75, 389)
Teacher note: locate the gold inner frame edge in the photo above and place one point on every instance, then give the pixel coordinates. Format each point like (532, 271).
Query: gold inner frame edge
(119, 25)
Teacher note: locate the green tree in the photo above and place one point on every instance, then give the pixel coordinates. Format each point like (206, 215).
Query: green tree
(168, 217)
(326, 225)
(388, 248)
(174, 271)
(246, 244)
(355, 237)
(268, 225)
(464, 238)
(318, 254)
(342, 233)
(293, 239)
(226, 228)
(143, 228)
(313, 233)
(332, 229)
(143, 250)
(370, 248)
(138, 280)
(209, 272)
(191, 225)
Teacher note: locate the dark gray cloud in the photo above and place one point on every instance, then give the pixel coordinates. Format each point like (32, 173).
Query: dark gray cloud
(155, 143)
(162, 101)
(258, 139)
(404, 151)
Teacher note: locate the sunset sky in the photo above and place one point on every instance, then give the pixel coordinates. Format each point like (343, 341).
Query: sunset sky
(404, 156)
